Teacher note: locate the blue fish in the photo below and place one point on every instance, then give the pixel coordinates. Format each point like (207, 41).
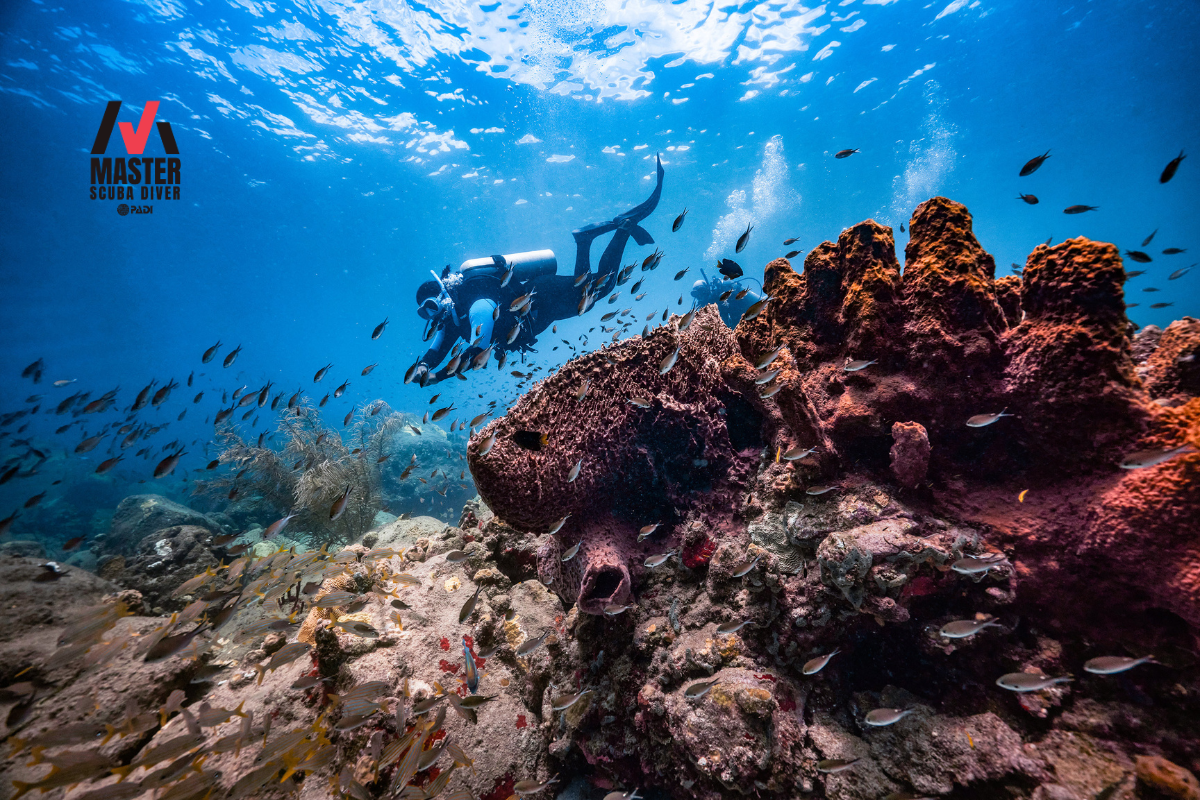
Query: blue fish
(471, 672)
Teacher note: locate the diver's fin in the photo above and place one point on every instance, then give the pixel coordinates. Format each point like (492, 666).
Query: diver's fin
(641, 235)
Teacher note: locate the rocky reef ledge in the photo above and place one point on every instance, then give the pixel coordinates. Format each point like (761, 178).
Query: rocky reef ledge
(816, 556)
(859, 546)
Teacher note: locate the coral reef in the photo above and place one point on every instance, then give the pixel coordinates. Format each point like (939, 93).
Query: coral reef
(828, 557)
(706, 609)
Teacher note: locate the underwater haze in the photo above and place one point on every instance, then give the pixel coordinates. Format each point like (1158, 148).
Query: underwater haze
(245, 339)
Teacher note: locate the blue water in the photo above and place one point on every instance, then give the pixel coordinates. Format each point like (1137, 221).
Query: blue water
(333, 153)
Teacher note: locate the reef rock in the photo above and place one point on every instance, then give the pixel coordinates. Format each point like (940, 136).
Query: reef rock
(1172, 367)
(34, 610)
(140, 515)
(164, 560)
(638, 464)
(910, 453)
(852, 550)
(1070, 368)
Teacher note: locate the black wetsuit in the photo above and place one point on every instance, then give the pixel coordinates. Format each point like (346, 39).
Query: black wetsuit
(556, 297)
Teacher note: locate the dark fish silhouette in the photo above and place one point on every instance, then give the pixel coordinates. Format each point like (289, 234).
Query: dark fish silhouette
(339, 505)
(35, 370)
(1138, 256)
(1032, 164)
(1161, 305)
(232, 357)
(1169, 170)
(1028, 198)
(168, 464)
(844, 153)
(209, 353)
(321, 373)
(1079, 209)
(105, 466)
(375, 334)
(164, 393)
(792, 240)
(743, 240)
(1174, 251)
(143, 397)
(1146, 241)
(729, 268)
(792, 253)
(678, 223)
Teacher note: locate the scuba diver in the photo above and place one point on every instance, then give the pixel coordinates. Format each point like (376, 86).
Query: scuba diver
(735, 303)
(496, 304)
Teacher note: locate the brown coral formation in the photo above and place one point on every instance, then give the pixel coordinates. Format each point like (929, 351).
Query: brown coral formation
(910, 453)
(1090, 550)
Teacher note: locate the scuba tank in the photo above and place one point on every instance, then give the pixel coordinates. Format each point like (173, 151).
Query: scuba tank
(525, 266)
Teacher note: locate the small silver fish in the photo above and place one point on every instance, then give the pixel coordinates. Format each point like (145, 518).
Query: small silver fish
(456, 556)
(972, 565)
(766, 360)
(556, 527)
(486, 447)
(700, 688)
(1111, 665)
(469, 606)
(745, 567)
(665, 365)
(565, 702)
(574, 473)
(798, 453)
(834, 765)
(614, 609)
(983, 420)
(733, 626)
(647, 531)
(640, 402)
(623, 795)
(358, 628)
(529, 645)
(771, 391)
(856, 365)
(1029, 681)
(657, 561)
(766, 377)
(966, 628)
(882, 717)
(815, 665)
(1155, 456)
(277, 526)
(532, 787)
(819, 489)
(753, 311)
(583, 389)
(1179, 273)
(567, 556)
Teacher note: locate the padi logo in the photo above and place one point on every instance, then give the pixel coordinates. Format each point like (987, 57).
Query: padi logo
(134, 177)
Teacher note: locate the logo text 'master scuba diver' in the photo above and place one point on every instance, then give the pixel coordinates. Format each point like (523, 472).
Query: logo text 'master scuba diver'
(135, 177)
